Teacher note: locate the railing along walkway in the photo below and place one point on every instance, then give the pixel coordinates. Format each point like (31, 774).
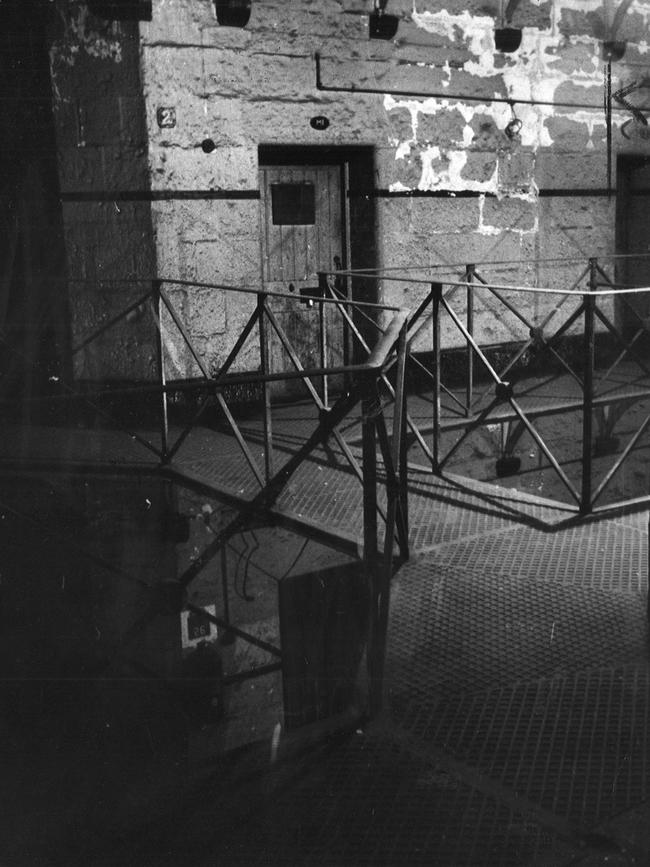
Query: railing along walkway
(361, 434)
(586, 310)
(270, 475)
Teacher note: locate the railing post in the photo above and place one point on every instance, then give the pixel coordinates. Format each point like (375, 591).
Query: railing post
(369, 408)
(322, 336)
(162, 375)
(379, 573)
(436, 298)
(588, 301)
(401, 463)
(469, 388)
(371, 565)
(266, 391)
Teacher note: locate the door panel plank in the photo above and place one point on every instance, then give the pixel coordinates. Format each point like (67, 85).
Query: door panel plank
(293, 254)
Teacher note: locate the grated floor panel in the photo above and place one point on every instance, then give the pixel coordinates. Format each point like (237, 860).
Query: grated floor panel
(456, 630)
(577, 746)
(608, 555)
(374, 802)
(523, 657)
(518, 681)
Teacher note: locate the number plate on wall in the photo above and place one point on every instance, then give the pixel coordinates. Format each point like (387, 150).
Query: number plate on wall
(166, 117)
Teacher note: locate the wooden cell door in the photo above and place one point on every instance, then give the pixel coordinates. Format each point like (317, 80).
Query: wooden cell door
(303, 232)
(633, 236)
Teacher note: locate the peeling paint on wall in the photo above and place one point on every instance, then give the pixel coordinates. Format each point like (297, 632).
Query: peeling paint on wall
(81, 36)
(534, 73)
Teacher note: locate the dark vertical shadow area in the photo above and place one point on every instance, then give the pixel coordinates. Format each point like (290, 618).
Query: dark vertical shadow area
(93, 721)
(34, 311)
(126, 715)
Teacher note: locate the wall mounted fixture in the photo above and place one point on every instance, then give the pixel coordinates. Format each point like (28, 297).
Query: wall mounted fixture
(507, 38)
(233, 13)
(381, 25)
(513, 128)
(613, 50)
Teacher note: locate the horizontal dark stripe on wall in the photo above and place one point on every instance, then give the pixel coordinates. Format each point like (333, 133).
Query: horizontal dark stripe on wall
(578, 192)
(184, 195)
(156, 195)
(476, 194)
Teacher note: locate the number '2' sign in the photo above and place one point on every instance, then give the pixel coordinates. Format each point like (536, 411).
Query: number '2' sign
(166, 117)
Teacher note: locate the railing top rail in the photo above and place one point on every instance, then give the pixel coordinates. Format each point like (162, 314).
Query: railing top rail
(375, 361)
(454, 266)
(613, 284)
(543, 290)
(553, 260)
(487, 263)
(512, 287)
(386, 341)
(272, 293)
(247, 290)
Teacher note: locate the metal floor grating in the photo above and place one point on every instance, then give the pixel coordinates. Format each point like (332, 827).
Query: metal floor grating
(324, 489)
(576, 746)
(333, 496)
(474, 494)
(518, 685)
(373, 801)
(606, 555)
(432, 523)
(232, 475)
(455, 630)
(521, 657)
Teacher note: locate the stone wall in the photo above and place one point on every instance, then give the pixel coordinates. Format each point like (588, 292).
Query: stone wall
(104, 182)
(451, 187)
(33, 302)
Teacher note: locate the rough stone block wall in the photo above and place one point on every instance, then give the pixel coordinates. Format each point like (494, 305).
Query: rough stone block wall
(244, 87)
(102, 154)
(451, 186)
(213, 242)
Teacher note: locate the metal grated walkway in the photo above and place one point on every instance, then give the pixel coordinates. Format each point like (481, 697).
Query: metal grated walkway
(517, 729)
(517, 721)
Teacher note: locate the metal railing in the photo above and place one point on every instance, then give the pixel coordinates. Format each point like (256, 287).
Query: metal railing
(361, 406)
(495, 391)
(384, 518)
